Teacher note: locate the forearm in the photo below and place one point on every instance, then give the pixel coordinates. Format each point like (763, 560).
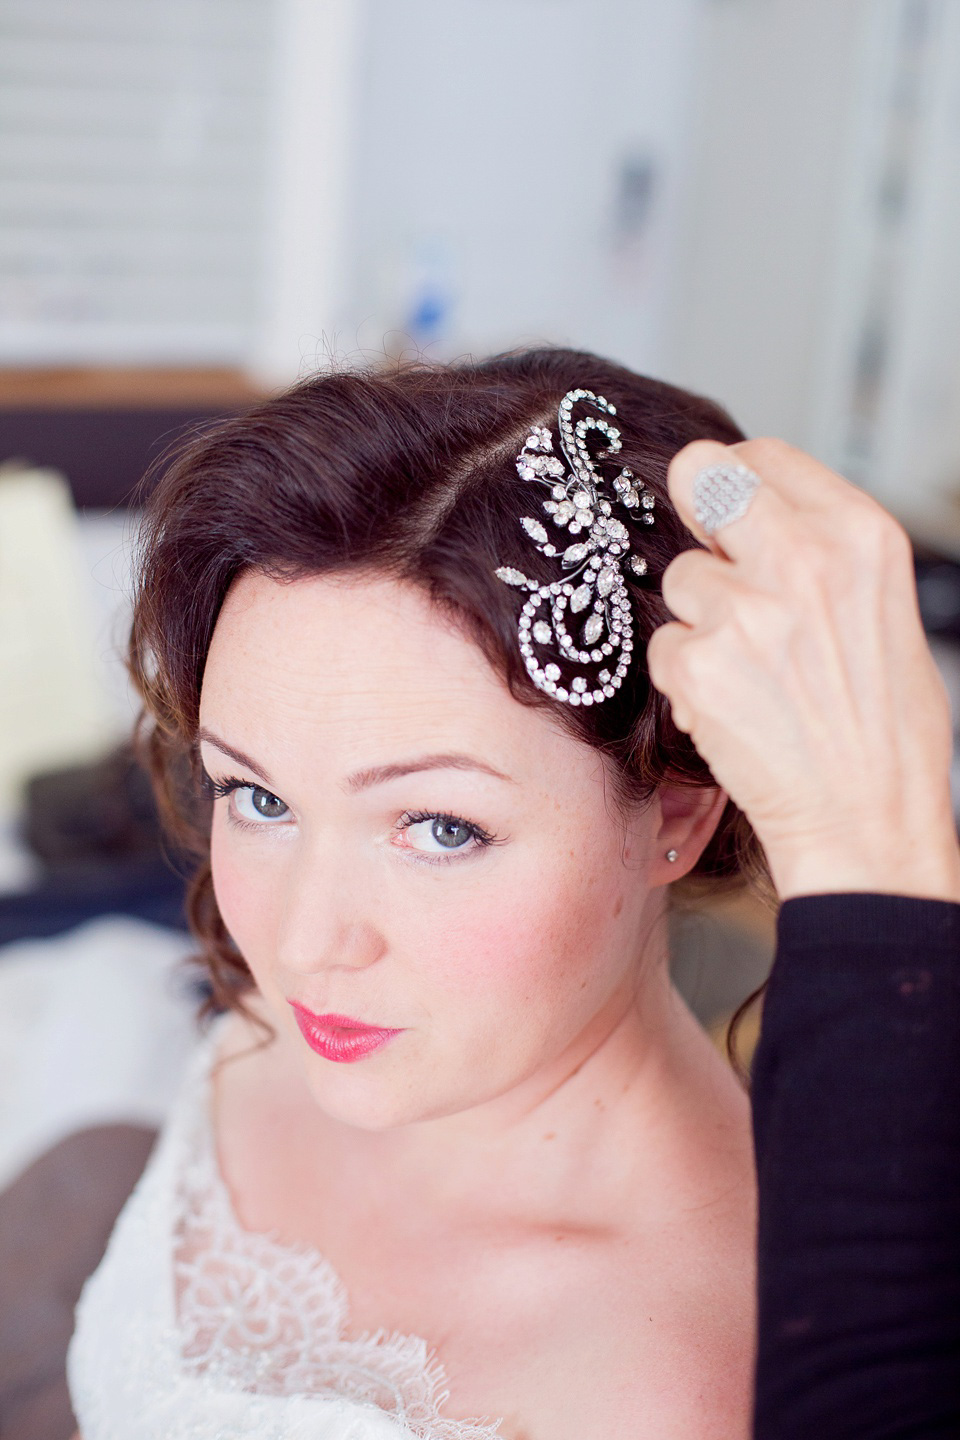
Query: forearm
(857, 1131)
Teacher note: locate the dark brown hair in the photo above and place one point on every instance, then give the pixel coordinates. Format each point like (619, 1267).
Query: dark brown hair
(407, 472)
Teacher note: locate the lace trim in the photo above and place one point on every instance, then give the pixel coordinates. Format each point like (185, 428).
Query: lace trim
(262, 1315)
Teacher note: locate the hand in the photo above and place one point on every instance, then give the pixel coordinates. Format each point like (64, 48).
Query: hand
(799, 667)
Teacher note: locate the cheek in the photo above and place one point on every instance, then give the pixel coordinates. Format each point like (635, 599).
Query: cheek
(535, 944)
(244, 894)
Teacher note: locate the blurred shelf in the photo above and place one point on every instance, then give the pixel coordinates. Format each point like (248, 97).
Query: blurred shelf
(104, 428)
(128, 387)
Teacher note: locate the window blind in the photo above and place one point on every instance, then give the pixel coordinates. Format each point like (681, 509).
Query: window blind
(132, 178)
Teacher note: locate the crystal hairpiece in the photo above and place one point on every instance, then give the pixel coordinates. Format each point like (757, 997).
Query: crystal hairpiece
(594, 587)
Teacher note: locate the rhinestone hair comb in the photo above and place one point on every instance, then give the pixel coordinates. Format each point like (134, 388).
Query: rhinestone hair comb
(594, 586)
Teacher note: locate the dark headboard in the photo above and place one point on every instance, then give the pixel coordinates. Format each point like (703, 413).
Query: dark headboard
(103, 429)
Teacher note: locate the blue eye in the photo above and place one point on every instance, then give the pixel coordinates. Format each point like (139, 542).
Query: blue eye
(439, 835)
(447, 833)
(254, 803)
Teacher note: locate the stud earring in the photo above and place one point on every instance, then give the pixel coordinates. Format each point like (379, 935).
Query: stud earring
(671, 854)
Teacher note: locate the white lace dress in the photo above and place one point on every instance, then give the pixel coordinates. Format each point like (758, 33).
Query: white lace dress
(193, 1328)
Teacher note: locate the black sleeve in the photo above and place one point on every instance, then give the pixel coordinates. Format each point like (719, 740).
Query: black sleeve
(856, 1090)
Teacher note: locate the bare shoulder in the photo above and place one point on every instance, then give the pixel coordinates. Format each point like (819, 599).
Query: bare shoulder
(580, 1335)
(649, 1341)
(640, 1316)
(646, 1322)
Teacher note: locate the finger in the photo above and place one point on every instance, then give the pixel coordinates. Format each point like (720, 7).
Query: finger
(663, 648)
(761, 530)
(697, 587)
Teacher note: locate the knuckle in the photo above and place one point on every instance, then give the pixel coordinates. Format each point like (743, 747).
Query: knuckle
(679, 573)
(808, 559)
(876, 535)
(658, 647)
(668, 591)
(696, 664)
(762, 619)
(895, 541)
(664, 654)
(651, 655)
(765, 450)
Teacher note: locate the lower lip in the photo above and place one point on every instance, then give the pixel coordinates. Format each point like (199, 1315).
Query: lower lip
(339, 1042)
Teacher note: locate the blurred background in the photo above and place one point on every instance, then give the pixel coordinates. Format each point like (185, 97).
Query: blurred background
(201, 200)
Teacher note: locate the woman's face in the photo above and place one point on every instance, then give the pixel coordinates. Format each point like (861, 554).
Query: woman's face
(400, 842)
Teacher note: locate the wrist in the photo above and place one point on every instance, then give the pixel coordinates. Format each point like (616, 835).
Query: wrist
(871, 860)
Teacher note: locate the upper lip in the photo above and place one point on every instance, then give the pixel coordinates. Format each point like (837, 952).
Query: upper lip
(332, 1021)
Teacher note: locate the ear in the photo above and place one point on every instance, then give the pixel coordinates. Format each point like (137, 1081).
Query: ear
(688, 818)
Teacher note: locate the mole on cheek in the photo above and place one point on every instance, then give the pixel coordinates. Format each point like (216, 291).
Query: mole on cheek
(618, 907)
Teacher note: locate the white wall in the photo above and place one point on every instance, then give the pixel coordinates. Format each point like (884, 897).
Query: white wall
(773, 105)
(889, 411)
(310, 142)
(497, 139)
(818, 286)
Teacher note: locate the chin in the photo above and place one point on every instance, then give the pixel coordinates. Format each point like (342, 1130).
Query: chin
(376, 1108)
(381, 1102)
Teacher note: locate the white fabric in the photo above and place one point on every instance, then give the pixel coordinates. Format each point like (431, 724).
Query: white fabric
(193, 1328)
(95, 1028)
(53, 708)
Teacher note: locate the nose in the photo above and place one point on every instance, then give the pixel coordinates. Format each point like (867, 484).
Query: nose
(324, 923)
(342, 945)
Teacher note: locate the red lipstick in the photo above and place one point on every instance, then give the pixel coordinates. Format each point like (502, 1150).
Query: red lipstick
(337, 1037)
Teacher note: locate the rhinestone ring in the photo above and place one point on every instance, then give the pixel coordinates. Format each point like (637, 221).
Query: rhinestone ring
(722, 493)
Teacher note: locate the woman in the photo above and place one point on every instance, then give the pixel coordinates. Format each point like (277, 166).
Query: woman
(456, 1148)
(799, 665)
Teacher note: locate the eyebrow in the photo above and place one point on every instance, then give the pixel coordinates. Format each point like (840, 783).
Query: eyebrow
(375, 774)
(378, 774)
(234, 754)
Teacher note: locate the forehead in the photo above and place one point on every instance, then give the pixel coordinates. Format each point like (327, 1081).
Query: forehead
(356, 670)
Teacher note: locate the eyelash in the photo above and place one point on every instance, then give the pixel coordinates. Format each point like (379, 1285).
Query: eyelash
(220, 789)
(481, 838)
